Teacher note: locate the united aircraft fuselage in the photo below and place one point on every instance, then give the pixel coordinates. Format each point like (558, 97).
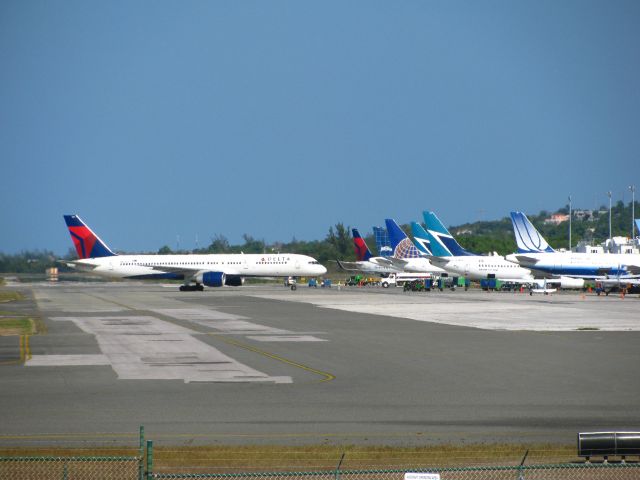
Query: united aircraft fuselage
(576, 264)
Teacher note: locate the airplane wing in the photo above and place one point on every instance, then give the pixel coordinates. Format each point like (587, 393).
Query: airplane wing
(525, 258)
(439, 261)
(389, 262)
(348, 266)
(84, 265)
(191, 271)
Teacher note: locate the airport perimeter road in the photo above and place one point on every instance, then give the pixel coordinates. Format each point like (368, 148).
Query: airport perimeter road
(262, 364)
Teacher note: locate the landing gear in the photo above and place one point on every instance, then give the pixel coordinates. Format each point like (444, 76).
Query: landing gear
(192, 288)
(293, 287)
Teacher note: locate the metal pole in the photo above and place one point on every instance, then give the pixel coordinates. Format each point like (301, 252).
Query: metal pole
(141, 453)
(569, 222)
(609, 193)
(149, 459)
(633, 214)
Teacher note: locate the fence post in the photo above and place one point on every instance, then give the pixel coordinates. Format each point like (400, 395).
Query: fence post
(141, 454)
(149, 459)
(337, 475)
(521, 466)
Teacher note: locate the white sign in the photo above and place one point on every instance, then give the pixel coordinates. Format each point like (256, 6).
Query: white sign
(421, 476)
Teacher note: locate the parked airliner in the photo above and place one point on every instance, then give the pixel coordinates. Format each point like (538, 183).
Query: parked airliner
(450, 255)
(406, 256)
(535, 253)
(212, 270)
(365, 259)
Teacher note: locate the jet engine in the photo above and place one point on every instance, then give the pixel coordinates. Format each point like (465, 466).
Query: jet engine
(234, 280)
(211, 279)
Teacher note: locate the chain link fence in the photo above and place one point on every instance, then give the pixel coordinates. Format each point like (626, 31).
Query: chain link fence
(70, 468)
(585, 471)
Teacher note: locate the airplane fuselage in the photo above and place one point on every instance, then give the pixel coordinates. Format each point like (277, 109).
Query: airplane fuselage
(480, 267)
(576, 264)
(245, 265)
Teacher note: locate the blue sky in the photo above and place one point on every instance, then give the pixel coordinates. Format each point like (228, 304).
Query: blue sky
(159, 119)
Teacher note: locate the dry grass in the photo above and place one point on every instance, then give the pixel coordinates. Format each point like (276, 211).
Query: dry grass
(234, 459)
(10, 296)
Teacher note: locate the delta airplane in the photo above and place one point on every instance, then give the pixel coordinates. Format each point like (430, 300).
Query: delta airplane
(535, 253)
(365, 260)
(212, 270)
(452, 257)
(406, 256)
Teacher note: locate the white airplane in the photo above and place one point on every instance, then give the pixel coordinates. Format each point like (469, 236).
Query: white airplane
(535, 253)
(212, 270)
(365, 261)
(450, 255)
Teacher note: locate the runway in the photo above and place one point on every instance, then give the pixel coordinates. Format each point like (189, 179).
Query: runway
(265, 365)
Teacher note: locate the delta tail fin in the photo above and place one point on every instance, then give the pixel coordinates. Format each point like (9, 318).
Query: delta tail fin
(402, 245)
(362, 250)
(442, 237)
(528, 238)
(87, 243)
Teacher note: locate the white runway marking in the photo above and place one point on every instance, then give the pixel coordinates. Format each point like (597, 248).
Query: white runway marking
(143, 347)
(66, 360)
(286, 338)
(233, 324)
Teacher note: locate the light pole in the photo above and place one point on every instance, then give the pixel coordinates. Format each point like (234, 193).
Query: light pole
(633, 214)
(609, 193)
(569, 222)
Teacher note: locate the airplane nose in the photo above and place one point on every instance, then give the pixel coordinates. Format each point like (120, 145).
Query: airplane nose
(323, 270)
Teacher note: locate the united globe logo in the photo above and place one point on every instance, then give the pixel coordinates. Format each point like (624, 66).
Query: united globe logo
(406, 249)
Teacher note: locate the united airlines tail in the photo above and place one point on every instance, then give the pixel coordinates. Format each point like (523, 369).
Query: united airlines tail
(362, 250)
(87, 243)
(402, 246)
(382, 242)
(528, 238)
(443, 238)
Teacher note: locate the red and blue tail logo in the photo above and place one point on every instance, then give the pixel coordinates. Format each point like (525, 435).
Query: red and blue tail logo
(87, 243)
(362, 250)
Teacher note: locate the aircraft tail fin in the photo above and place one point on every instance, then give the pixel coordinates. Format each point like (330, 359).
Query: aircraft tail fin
(528, 238)
(443, 238)
(382, 242)
(423, 238)
(402, 245)
(87, 243)
(362, 250)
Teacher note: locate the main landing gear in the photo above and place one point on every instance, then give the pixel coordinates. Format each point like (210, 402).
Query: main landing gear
(192, 288)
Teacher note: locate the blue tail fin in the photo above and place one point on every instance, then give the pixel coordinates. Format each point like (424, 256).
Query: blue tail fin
(528, 238)
(362, 250)
(402, 246)
(442, 237)
(87, 243)
(382, 242)
(426, 243)
(421, 239)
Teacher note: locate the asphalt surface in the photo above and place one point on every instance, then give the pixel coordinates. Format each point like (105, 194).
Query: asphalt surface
(265, 365)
